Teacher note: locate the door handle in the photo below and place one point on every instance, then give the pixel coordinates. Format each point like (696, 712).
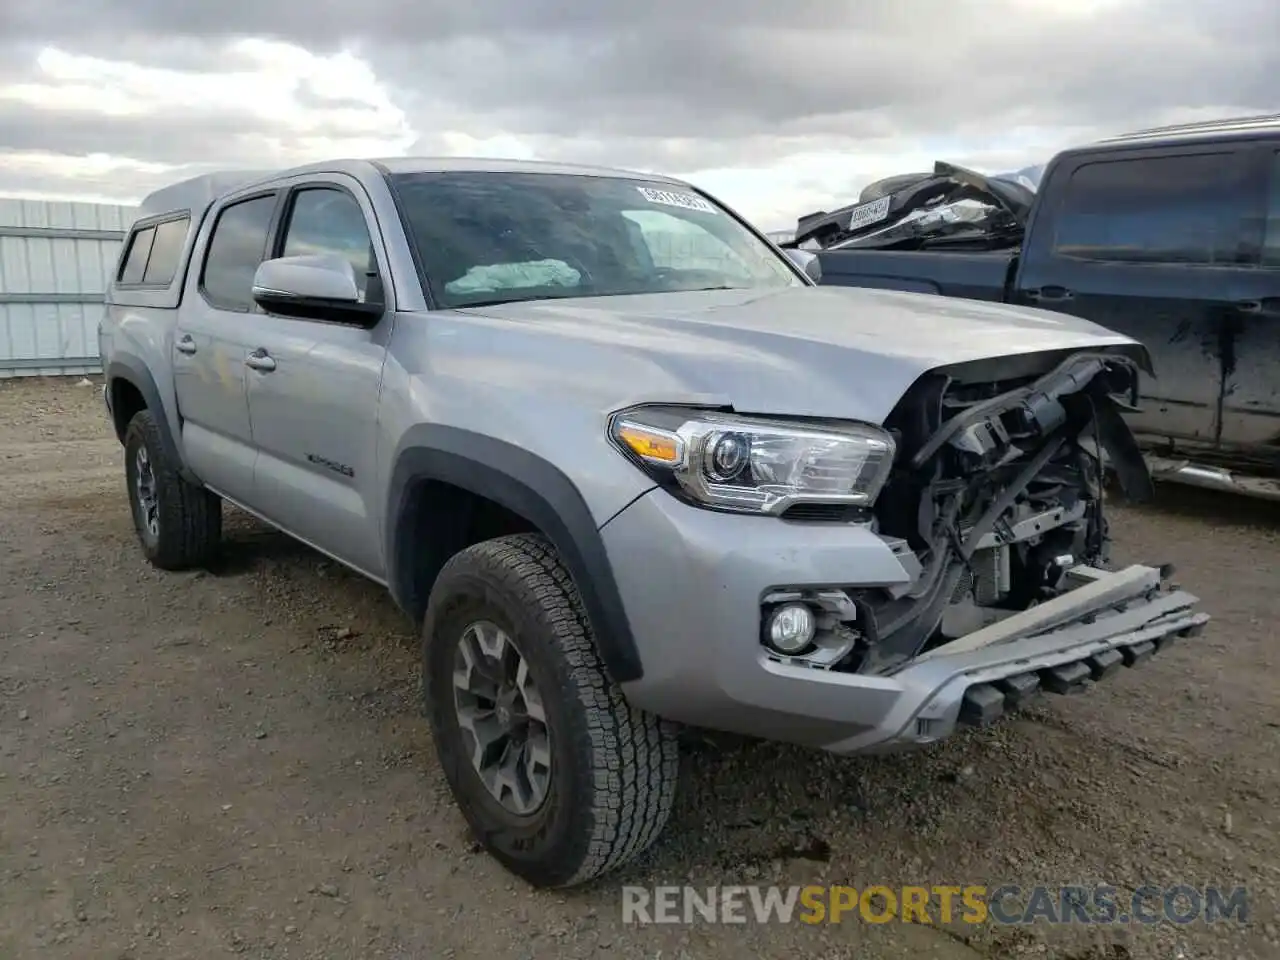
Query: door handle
(186, 344)
(1267, 305)
(1050, 294)
(260, 360)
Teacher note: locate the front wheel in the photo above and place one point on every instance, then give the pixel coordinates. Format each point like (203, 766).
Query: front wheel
(178, 523)
(557, 776)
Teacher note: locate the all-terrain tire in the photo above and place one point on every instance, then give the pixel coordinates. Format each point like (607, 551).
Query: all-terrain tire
(613, 768)
(188, 528)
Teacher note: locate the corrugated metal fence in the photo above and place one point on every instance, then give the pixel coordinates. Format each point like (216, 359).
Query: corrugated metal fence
(55, 259)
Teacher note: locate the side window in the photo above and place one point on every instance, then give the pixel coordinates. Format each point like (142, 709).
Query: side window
(135, 259)
(166, 251)
(1174, 209)
(325, 220)
(237, 246)
(1271, 239)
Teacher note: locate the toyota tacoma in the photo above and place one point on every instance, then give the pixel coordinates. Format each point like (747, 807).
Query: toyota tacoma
(628, 469)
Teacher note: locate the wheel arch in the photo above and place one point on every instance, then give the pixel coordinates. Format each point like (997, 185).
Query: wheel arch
(126, 375)
(427, 523)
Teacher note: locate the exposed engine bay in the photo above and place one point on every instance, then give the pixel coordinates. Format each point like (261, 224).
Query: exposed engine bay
(996, 495)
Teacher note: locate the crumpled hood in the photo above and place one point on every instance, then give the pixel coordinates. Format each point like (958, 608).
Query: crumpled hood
(800, 351)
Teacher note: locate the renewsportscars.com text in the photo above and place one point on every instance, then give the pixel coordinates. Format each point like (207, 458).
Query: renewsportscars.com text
(1007, 904)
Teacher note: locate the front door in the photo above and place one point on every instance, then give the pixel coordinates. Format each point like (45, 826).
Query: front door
(1151, 245)
(314, 388)
(211, 341)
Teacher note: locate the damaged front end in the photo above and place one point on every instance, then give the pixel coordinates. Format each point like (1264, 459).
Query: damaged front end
(951, 208)
(995, 506)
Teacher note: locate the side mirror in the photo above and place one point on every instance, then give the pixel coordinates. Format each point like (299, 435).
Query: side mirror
(313, 287)
(807, 261)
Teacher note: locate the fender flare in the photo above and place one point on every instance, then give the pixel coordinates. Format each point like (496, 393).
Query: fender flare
(528, 485)
(126, 367)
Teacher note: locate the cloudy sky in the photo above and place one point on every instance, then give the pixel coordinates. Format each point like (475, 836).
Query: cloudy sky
(779, 107)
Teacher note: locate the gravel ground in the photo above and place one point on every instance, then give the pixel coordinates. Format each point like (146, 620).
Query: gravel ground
(235, 762)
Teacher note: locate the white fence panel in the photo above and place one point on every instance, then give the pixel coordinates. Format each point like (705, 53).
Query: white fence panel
(55, 259)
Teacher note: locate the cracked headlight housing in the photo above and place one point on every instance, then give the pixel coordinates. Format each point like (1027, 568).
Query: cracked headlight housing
(755, 464)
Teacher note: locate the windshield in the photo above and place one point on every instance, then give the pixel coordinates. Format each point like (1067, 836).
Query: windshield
(489, 237)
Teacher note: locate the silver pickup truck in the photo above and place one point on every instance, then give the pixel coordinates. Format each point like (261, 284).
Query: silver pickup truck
(628, 468)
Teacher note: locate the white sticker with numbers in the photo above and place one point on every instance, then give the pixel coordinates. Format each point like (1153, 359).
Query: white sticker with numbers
(686, 201)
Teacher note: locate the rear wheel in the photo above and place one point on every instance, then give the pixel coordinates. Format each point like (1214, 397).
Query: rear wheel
(558, 777)
(178, 523)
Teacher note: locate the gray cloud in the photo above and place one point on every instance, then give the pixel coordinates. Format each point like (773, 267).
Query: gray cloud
(223, 138)
(679, 85)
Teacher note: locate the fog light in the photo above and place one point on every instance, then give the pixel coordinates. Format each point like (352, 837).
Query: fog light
(791, 628)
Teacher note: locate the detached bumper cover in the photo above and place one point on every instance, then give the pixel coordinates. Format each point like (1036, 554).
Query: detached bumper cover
(977, 687)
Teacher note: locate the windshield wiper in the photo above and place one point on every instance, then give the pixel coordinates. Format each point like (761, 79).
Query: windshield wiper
(499, 301)
(701, 289)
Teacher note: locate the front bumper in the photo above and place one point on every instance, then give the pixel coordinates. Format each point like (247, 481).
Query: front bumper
(692, 582)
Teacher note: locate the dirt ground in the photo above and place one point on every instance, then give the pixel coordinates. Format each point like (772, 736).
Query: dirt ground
(234, 762)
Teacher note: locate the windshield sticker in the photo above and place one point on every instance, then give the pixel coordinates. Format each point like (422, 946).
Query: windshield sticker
(685, 201)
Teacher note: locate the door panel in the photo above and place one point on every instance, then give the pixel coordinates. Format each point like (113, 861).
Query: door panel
(1151, 246)
(1175, 313)
(211, 343)
(314, 414)
(208, 369)
(1251, 398)
(314, 424)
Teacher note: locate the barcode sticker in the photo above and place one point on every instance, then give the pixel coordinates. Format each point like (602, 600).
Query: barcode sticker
(686, 201)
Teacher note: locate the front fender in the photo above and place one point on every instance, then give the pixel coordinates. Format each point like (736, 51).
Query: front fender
(525, 484)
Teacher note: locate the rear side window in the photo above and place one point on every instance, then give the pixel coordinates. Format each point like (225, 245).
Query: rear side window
(154, 252)
(1173, 209)
(166, 251)
(135, 258)
(1271, 241)
(237, 246)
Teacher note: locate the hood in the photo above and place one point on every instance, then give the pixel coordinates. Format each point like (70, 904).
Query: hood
(908, 206)
(1009, 194)
(799, 351)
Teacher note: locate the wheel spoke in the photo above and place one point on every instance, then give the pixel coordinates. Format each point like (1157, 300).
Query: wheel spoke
(491, 640)
(472, 672)
(530, 694)
(518, 790)
(145, 490)
(487, 738)
(501, 717)
(505, 785)
(537, 756)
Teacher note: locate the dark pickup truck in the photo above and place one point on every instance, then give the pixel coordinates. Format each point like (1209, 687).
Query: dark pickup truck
(1171, 236)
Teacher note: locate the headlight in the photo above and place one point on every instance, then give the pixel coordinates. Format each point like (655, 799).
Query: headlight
(755, 465)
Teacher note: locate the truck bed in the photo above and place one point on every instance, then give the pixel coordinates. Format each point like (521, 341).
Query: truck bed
(981, 275)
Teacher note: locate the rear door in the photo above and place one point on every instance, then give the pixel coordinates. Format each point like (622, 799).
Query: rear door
(314, 387)
(1151, 243)
(1251, 397)
(212, 340)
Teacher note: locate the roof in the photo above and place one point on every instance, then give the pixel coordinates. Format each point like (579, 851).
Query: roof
(1230, 128)
(196, 193)
(493, 165)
